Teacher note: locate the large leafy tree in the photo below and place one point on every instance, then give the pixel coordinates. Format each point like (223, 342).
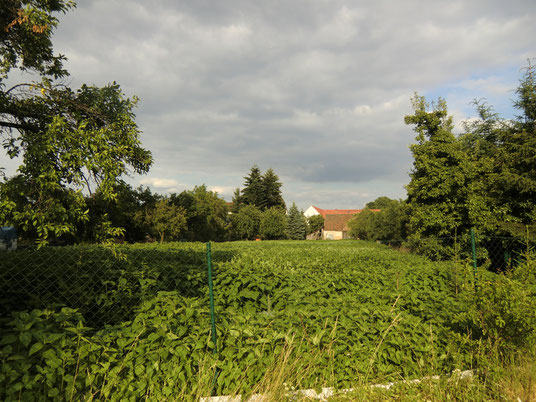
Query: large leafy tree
(245, 223)
(127, 211)
(206, 214)
(166, 220)
(516, 155)
(315, 224)
(439, 190)
(25, 37)
(273, 224)
(485, 178)
(236, 201)
(69, 141)
(386, 224)
(380, 203)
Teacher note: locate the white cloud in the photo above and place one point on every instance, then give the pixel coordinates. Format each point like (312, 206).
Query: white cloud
(159, 183)
(315, 89)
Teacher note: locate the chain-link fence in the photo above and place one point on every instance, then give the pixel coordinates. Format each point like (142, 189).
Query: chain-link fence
(104, 284)
(145, 308)
(494, 253)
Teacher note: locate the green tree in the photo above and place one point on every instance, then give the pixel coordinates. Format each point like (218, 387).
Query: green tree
(379, 203)
(206, 214)
(166, 220)
(296, 223)
(516, 155)
(253, 192)
(25, 40)
(272, 190)
(126, 211)
(273, 224)
(68, 140)
(245, 224)
(439, 186)
(315, 223)
(237, 201)
(363, 226)
(387, 224)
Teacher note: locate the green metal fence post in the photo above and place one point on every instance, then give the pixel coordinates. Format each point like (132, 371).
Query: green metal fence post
(211, 295)
(212, 315)
(473, 247)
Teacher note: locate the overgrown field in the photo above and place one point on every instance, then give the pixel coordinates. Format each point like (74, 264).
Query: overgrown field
(88, 322)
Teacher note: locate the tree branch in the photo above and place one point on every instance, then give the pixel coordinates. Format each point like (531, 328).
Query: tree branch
(19, 126)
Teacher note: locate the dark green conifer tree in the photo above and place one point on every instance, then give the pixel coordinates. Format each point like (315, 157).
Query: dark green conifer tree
(237, 201)
(252, 194)
(272, 190)
(296, 223)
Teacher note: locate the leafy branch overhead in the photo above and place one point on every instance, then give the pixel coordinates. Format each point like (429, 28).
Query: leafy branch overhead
(68, 140)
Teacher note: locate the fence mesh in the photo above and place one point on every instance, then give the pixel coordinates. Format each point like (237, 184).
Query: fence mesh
(493, 253)
(106, 285)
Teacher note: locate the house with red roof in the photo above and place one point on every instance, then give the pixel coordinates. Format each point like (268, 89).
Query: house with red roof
(335, 221)
(312, 210)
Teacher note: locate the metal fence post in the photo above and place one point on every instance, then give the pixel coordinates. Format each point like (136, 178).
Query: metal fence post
(473, 247)
(211, 295)
(212, 314)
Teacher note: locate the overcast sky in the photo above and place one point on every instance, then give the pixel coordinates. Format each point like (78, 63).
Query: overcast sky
(316, 90)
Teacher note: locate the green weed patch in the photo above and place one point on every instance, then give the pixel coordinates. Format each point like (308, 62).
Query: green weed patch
(135, 323)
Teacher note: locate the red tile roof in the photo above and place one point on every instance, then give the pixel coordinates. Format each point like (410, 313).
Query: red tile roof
(325, 212)
(337, 222)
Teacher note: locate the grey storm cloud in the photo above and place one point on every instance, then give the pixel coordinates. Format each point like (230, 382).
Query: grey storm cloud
(315, 89)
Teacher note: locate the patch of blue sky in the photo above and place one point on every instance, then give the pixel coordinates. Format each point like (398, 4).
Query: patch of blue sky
(495, 87)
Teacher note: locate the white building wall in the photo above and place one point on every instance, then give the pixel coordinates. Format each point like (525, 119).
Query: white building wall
(310, 212)
(332, 235)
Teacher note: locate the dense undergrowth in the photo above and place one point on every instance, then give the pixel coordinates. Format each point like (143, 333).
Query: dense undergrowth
(91, 323)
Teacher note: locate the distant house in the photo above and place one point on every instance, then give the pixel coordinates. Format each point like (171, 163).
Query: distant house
(336, 226)
(335, 221)
(312, 210)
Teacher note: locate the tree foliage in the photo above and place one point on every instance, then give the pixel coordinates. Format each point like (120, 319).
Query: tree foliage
(516, 155)
(296, 223)
(236, 201)
(127, 211)
(272, 190)
(252, 193)
(206, 214)
(166, 220)
(484, 178)
(446, 194)
(25, 38)
(386, 224)
(380, 203)
(437, 190)
(261, 190)
(315, 223)
(68, 140)
(245, 223)
(273, 224)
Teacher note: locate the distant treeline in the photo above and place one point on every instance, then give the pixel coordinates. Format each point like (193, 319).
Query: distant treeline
(139, 215)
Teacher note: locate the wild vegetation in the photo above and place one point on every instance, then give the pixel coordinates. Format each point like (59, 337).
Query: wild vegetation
(341, 313)
(132, 322)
